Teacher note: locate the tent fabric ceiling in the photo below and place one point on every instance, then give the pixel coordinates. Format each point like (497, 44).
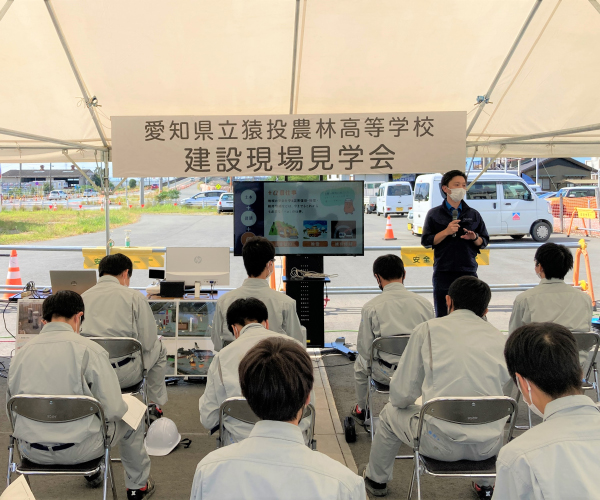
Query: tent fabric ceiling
(218, 57)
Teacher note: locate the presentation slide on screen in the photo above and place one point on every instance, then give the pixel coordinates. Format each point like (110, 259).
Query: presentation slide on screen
(319, 218)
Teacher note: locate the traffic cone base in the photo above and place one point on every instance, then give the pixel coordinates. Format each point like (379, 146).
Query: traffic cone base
(389, 232)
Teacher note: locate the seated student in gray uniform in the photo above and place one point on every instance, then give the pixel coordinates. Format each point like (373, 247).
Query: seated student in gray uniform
(553, 299)
(459, 355)
(60, 361)
(276, 377)
(258, 254)
(115, 310)
(560, 458)
(248, 320)
(395, 311)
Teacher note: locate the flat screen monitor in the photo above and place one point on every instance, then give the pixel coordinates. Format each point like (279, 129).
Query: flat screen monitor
(301, 218)
(203, 264)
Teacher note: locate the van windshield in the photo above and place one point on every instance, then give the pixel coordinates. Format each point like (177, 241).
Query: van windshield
(422, 192)
(398, 190)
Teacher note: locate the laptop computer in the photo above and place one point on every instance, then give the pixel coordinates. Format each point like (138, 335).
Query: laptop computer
(77, 281)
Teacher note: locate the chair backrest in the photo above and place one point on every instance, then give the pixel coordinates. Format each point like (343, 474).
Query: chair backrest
(239, 409)
(469, 411)
(118, 347)
(53, 409)
(396, 344)
(310, 411)
(585, 342)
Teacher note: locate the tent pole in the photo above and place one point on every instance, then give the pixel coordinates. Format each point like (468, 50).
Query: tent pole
(594, 3)
(80, 170)
(5, 8)
(41, 138)
(507, 59)
(89, 103)
(106, 203)
(541, 135)
(294, 62)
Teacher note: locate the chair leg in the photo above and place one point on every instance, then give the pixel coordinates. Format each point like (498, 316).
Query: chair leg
(412, 482)
(10, 459)
(417, 474)
(529, 416)
(112, 481)
(596, 383)
(106, 473)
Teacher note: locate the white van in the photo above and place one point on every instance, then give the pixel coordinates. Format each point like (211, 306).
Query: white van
(394, 198)
(505, 202)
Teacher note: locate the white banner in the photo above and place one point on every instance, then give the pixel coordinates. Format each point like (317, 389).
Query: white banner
(360, 143)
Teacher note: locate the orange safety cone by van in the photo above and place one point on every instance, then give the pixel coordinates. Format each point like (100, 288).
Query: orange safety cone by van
(389, 232)
(14, 274)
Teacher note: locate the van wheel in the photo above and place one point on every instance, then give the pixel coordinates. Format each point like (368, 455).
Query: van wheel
(378, 214)
(541, 231)
(517, 236)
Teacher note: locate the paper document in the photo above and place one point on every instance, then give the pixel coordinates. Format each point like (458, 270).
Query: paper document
(18, 490)
(135, 411)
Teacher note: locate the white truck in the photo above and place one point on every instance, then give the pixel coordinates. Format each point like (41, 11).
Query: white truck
(370, 201)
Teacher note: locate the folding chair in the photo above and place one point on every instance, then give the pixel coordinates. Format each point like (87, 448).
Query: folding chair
(465, 411)
(585, 342)
(239, 409)
(55, 410)
(119, 347)
(395, 345)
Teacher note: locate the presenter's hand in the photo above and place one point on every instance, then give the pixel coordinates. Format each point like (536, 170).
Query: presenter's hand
(469, 235)
(453, 227)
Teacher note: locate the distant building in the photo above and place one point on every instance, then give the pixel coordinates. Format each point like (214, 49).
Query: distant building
(63, 178)
(556, 173)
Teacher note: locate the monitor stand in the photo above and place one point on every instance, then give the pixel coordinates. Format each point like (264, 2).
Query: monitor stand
(308, 294)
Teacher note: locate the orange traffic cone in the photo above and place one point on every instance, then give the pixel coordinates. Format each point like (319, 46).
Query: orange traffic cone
(389, 232)
(14, 274)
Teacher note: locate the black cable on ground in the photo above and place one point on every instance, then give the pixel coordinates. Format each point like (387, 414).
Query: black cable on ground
(4, 319)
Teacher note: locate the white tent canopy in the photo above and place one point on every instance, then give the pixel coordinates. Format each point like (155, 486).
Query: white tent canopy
(535, 62)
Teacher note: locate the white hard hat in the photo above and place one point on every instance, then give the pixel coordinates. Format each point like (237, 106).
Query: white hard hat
(162, 437)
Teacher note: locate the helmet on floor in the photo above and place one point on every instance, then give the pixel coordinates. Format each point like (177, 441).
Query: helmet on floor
(162, 437)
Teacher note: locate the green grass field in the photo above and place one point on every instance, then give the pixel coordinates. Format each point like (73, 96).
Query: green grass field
(20, 227)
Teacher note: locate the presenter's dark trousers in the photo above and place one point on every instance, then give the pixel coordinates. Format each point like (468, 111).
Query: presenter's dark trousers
(441, 284)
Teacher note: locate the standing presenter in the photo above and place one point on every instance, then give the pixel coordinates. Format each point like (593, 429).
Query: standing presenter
(456, 232)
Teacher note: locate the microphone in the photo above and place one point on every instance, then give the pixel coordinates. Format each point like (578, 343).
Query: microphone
(454, 217)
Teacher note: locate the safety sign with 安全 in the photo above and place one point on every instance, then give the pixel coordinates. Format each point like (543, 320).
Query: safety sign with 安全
(141, 257)
(423, 257)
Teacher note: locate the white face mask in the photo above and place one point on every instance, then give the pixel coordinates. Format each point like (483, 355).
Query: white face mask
(457, 194)
(534, 409)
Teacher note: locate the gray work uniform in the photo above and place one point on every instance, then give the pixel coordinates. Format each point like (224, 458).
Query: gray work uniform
(282, 312)
(459, 355)
(554, 301)
(60, 362)
(395, 311)
(273, 462)
(555, 460)
(114, 310)
(223, 382)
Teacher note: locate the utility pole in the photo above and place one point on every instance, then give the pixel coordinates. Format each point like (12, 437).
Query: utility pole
(141, 191)
(537, 171)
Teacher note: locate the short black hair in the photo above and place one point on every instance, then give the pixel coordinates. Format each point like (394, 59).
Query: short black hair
(115, 264)
(547, 355)
(469, 292)
(276, 377)
(63, 304)
(244, 311)
(448, 176)
(389, 267)
(256, 253)
(556, 260)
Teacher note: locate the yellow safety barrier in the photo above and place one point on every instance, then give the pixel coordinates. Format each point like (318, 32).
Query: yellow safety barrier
(589, 287)
(142, 257)
(423, 257)
(582, 213)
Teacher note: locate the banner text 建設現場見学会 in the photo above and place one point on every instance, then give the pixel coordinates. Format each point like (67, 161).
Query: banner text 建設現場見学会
(323, 144)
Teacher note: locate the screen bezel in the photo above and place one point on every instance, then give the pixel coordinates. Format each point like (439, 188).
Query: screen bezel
(322, 254)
